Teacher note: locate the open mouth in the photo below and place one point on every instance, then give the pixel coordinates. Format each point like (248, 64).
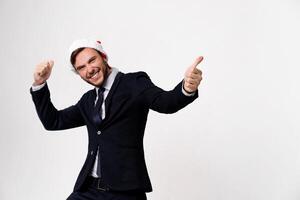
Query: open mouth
(95, 75)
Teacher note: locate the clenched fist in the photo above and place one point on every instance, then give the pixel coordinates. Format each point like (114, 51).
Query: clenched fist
(192, 77)
(42, 72)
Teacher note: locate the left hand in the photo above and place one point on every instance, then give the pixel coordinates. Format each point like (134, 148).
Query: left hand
(193, 76)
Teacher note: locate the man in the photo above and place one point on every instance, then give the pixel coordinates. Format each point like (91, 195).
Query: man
(115, 114)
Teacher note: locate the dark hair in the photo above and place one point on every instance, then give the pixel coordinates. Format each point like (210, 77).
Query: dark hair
(77, 51)
(74, 54)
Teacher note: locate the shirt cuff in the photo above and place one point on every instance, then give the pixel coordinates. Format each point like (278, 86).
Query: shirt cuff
(37, 87)
(187, 93)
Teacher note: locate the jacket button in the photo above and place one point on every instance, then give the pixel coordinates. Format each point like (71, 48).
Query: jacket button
(92, 152)
(98, 132)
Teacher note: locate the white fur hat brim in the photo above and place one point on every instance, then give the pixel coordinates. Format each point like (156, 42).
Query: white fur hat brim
(89, 43)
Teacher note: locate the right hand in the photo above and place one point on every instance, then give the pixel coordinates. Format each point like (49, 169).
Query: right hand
(42, 72)
(193, 76)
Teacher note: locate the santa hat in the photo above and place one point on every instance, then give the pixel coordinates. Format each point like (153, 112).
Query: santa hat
(82, 43)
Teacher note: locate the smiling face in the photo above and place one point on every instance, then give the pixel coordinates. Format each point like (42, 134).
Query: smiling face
(91, 67)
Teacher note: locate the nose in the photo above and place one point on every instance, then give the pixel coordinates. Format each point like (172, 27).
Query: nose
(90, 69)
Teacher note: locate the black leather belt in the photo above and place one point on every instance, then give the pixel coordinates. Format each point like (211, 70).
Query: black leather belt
(96, 183)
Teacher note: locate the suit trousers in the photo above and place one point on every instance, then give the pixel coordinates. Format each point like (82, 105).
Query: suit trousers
(90, 192)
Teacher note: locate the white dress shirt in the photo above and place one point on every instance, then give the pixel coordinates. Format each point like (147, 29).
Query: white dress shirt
(107, 86)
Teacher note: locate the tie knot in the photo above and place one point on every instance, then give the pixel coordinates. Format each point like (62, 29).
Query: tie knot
(100, 90)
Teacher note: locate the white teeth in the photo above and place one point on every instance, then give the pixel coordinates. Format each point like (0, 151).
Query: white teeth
(94, 75)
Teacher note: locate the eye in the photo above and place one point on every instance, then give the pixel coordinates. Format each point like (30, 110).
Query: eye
(79, 68)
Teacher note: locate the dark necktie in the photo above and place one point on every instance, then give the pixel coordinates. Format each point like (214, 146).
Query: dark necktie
(97, 115)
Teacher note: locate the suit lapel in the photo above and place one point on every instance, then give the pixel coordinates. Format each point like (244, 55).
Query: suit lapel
(90, 103)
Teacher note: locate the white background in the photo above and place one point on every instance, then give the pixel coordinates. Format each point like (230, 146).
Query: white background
(239, 140)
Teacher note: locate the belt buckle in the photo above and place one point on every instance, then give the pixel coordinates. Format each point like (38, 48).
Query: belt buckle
(101, 187)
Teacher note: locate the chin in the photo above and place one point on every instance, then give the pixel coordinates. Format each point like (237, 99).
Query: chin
(97, 83)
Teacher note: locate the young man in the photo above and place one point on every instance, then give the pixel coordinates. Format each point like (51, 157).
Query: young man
(115, 114)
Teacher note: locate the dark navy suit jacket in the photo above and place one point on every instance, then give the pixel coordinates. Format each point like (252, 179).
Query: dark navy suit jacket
(121, 140)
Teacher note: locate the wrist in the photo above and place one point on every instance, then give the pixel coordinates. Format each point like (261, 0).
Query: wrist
(37, 83)
(187, 90)
(37, 87)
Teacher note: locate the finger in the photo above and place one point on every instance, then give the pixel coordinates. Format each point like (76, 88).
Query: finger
(190, 80)
(194, 75)
(48, 65)
(190, 88)
(40, 68)
(193, 81)
(197, 71)
(43, 69)
(197, 62)
(189, 85)
(40, 73)
(51, 63)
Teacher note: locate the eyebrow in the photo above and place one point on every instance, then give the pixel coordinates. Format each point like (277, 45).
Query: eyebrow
(92, 58)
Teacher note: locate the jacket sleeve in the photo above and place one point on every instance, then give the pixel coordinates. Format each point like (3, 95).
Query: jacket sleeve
(160, 100)
(51, 118)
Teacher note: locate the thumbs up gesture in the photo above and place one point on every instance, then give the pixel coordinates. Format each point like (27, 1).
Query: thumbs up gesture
(193, 77)
(42, 72)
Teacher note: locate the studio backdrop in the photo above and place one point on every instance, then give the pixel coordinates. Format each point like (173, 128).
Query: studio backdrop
(240, 140)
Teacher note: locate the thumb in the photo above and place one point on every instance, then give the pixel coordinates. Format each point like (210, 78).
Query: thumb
(197, 62)
(50, 63)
